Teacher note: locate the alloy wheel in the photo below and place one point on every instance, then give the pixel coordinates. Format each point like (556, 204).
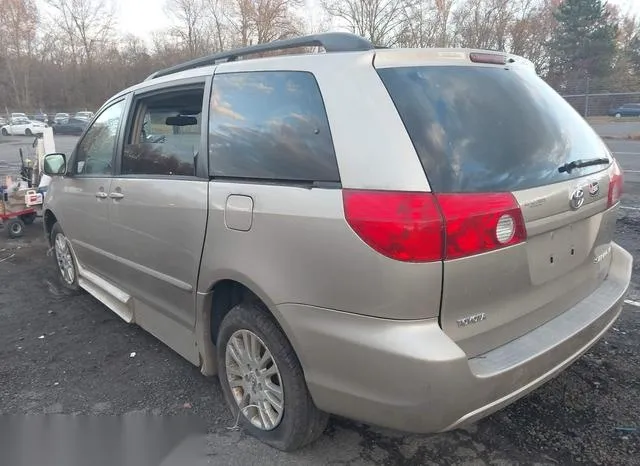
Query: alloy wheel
(254, 379)
(65, 259)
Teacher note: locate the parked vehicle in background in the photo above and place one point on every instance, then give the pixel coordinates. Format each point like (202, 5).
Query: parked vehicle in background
(626, 110)
(40, 117)
(70, 126)
(19, 115)
(410, 238)
(84, 115)
(60, 117)
(22, 126)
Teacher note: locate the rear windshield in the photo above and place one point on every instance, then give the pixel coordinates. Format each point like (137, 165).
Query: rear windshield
(488, 129)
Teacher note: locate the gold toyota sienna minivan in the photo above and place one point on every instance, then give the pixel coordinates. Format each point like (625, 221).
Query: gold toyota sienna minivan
(412, 238)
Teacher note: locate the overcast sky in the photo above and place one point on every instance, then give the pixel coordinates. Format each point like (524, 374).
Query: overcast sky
(141, 17)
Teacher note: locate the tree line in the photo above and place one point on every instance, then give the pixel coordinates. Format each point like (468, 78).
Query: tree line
(68, 55)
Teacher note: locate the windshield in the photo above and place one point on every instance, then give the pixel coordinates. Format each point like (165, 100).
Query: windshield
(490, 129)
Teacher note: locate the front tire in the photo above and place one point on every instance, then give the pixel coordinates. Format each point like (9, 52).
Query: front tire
(27, 132)
(263, 382)
(618, 115)
(64, 259)
(5, 132)
(15, 228)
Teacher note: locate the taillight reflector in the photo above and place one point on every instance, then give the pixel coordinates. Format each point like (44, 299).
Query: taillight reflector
(423, 227)
(403, 226)
(477, 223)
(616, 181)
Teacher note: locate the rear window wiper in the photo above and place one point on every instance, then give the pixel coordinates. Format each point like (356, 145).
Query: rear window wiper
(569, 166)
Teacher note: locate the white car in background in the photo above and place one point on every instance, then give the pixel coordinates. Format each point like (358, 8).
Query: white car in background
(22, 126)
(84, 115)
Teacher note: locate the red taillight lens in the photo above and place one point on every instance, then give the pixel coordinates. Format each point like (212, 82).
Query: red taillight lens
(409, 226)
(477, 223)
(403, 226)
(616, 181)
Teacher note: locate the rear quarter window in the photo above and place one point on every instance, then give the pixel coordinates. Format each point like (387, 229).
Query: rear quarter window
(270, 125)
(489, 129)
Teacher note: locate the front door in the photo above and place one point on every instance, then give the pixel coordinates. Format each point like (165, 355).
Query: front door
(83, 196)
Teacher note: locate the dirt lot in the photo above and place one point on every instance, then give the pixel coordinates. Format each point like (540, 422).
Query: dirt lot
(61, 353)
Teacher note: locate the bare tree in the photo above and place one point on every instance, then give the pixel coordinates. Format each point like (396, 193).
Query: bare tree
(218, 23)
(260, 21)
(425, 23)
(87, 24)
(191, 25)
(531, 30)
(18, 23)
(443, 10)
(275, 19)
(484, 23)
(380, 21)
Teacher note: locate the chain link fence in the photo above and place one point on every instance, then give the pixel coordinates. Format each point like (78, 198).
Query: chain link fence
(602, 104)
(593, 98)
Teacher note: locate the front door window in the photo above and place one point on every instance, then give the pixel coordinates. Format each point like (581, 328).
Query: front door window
(94, 156)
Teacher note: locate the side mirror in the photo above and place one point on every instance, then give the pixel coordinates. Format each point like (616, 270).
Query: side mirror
(55, 164)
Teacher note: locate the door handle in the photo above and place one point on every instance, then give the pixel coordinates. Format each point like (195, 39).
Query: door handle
(101, 195)
(116, 195)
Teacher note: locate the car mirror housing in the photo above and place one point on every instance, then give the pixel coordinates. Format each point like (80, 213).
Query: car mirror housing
(55, 164)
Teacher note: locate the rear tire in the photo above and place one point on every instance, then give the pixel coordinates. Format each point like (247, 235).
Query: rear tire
(27, 132)
(15, 228)
(299, 421)
(5, 132)
(618, 115)
(64, 259)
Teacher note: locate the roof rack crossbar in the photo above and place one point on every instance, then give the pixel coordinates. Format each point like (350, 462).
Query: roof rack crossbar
(330, 41)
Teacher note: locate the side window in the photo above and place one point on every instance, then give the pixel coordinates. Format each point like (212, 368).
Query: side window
(164, 138)
(270, 125)
(94, 155)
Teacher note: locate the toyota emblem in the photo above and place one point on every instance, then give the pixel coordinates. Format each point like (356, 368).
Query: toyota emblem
(577, 199)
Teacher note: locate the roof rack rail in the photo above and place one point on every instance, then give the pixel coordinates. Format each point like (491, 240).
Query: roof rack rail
(330, 41)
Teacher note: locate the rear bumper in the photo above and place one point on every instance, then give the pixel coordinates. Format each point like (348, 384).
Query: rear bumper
(409, 375)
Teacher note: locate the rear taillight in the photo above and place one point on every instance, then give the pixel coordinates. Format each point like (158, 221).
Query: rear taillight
(423, 227)
(404, 226)
(616, 181)
(477, 223)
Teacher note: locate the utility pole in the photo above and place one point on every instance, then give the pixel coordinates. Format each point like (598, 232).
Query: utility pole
(586, 99)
